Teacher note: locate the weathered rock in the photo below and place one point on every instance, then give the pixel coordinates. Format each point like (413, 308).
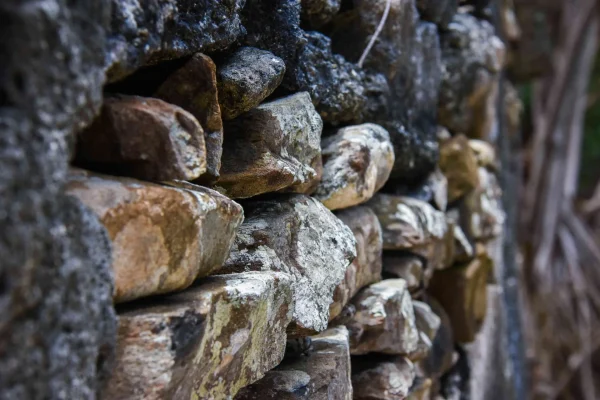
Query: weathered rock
(382, 378)
(459, 164)
(163, 238)
(427, 323)
(420, 390)
(274, 147)
(357, 163)
(472, 58)
(405, 266)
(193, 87)
(438, 11)
(144, 33)
(455, 384)
(247, 77)
(484, 153)
(481, 213)
(316, 13)
(463, 248)
(440, 358)
(415, 226)
(384, 321)
(206, 342)
(322, 374)
(297, 235)
(143, 138)
(433, 190)
(366, 267)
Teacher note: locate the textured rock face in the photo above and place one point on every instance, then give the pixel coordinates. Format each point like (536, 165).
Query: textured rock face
(366, 267)
(384, 321)
(163, 238)
(297, 235)
(143, 138)
(144, 33)
(317, 13)
(433, 190)
(206, 342)
(405, 266)
(428, 324)
(459, 164)
(193, 87)
(247, 77)
(357, 163)
(484, 153)
(274, 147)
(441, 356)
(438, 11)
(388, 379)
(481, 212)
(322, 374)
(472, 57)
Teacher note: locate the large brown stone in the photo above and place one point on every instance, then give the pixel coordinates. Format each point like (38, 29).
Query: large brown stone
(193, 87)
(481, 212)
(321, 374)
(297, 235)
(163, 238)
(384, 321)
(274, 147)
(357, 163)
(459, 163)
(204, 343)
(382, 378)
(143, 138)
(366, 267)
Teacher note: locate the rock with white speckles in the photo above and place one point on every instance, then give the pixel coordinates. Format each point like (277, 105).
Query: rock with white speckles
(357, 163)
(296, 234)
(163, 238)
(206, 342)
(382, 378)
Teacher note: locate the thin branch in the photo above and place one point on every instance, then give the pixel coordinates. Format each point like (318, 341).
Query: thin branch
(378, 30)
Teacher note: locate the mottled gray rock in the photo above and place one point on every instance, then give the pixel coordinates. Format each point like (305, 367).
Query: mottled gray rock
(405, 266)
(438, 11)
(459, 164)
(357, 163)
(382, 378)
(473, 57)
(384, 321)
(144, 33)
(207, 342)
(296, 234)
(163, 238)
(481, 212)
(247, 77)
(321, 374)
(316, 13)
(143, 138)
(366, 267)
(274, 147)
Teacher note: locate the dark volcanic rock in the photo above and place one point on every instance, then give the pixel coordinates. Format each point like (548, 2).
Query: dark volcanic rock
(145, 32)
(438, 11)
(57, 325)
(316, 13)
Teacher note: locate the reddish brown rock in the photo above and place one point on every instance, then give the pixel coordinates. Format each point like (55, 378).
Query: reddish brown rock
(382, 378)
(458, 163)
(143, 138)
(366, 267)
(205, 343)
(163, 237)
(405, 266)
(193, 87)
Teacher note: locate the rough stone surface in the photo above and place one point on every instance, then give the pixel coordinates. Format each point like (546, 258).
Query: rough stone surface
(274, 147)
(440, 358)
(380, 378)
(321, 374)
(384, 321)
(433, 190)
(206, 342)
(428, 324)
(459, 164)
(366, 267)
(316, 13)
(405, 266)
(193, 87)
(163, 238)
(481, 213)
(357, 163)
(472, 58)
(297, 235)
(438, 11)
(143, 138)
(247, 77)
(147, 32)
(484, 153)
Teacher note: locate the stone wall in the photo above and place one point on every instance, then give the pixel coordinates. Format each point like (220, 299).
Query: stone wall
(271, 216)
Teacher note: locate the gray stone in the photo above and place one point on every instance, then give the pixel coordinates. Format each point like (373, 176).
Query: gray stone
(433, 190)
(247, 77)
(405, 266)
(144, 33)
(382, 378)
(316, 13)
(438, 11)
(143, 138)
(321, 374)
(428, 324)
(297, 235)
(358, 162)
(274, 147)
(207, 342)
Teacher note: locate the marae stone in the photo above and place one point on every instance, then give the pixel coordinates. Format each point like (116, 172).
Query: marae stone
(459, 164)
(366, 267)
(143, 138)
(405, 266)
(193, 87)
(316, 13)
(297, 235)
(163, 238)
(245, 78)
(206, 342)
(274, 147)
(438, 11)
(357, 163)
(382, 378)
(321, 374)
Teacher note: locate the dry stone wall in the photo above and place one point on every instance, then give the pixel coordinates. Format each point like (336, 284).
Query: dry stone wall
(271, 219)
